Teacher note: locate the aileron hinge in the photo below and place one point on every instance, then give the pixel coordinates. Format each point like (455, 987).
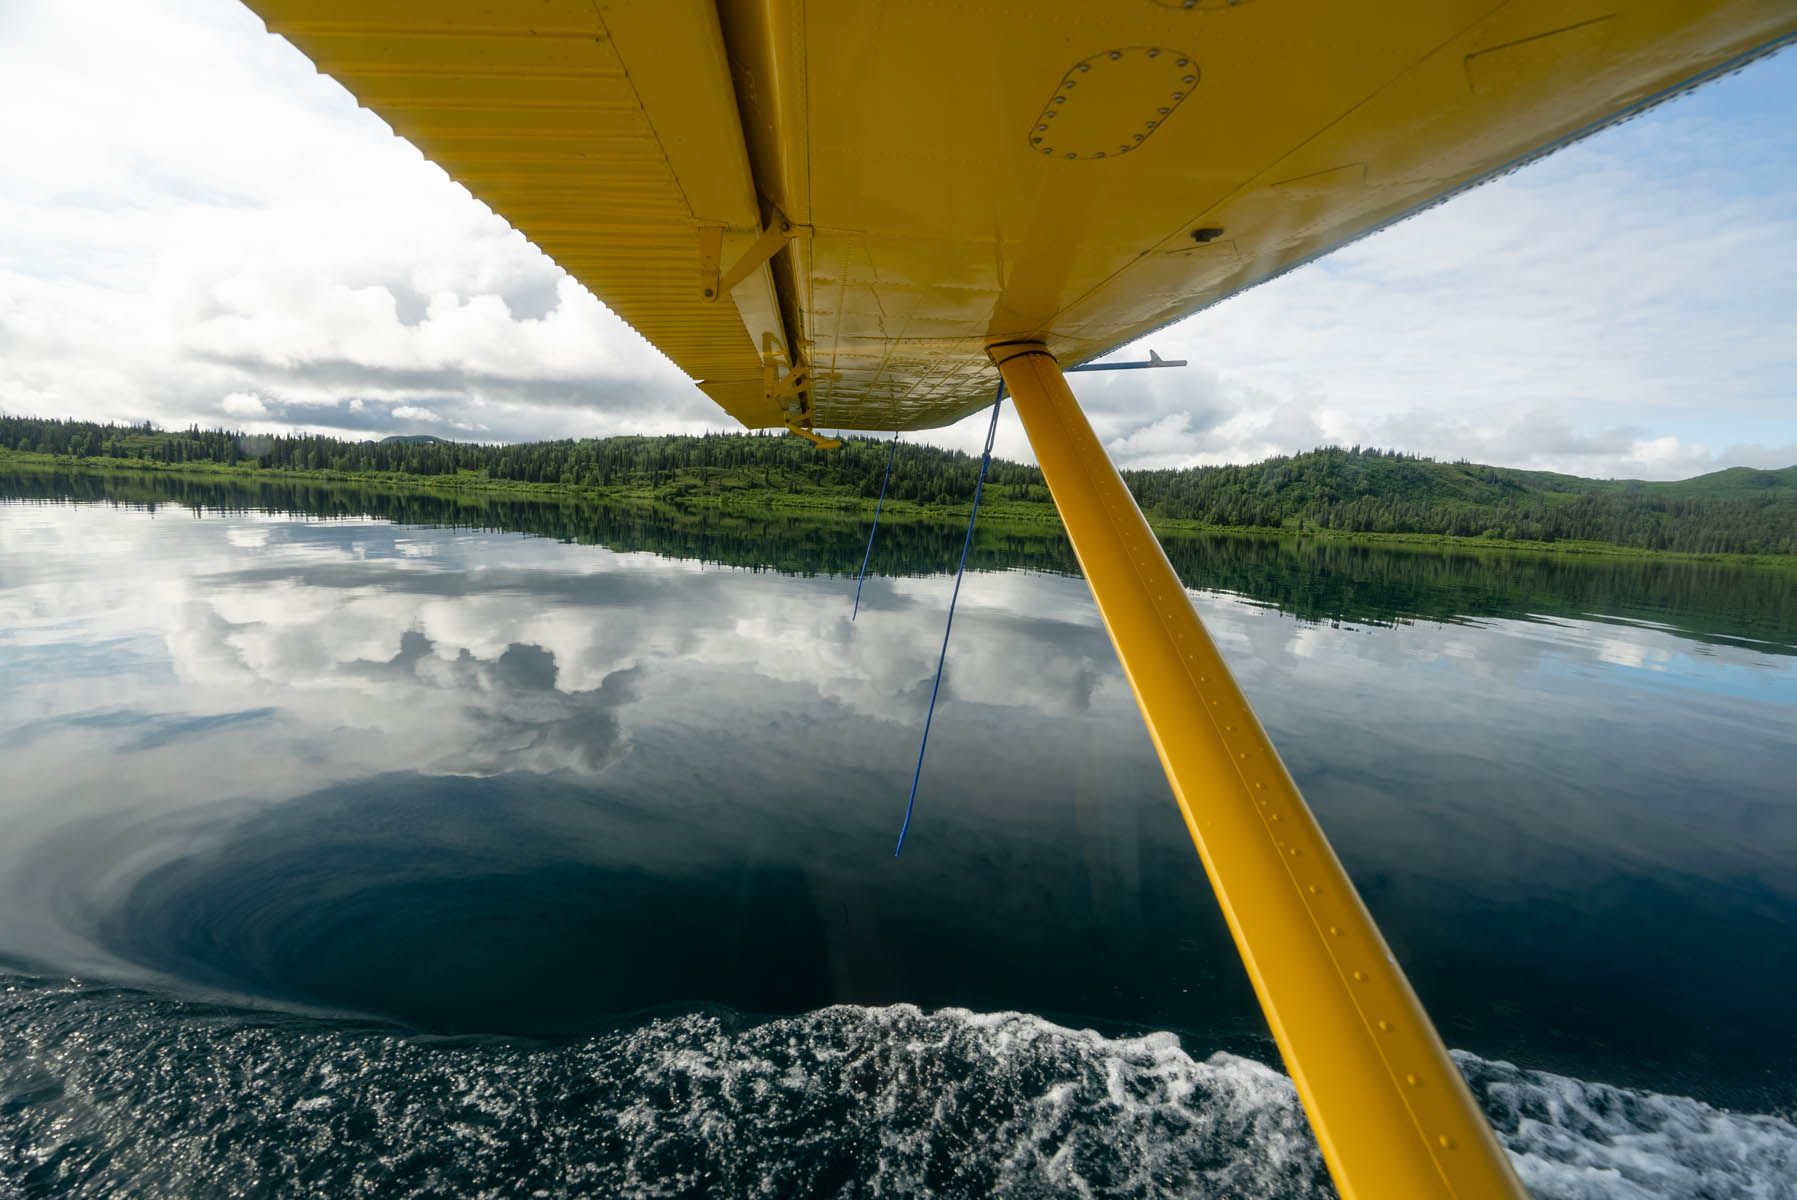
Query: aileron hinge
(796, 381)
(815, 438)
(792, 392)
(712, 284)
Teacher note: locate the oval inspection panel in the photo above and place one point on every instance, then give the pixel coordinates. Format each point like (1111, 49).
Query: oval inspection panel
(1109, 104)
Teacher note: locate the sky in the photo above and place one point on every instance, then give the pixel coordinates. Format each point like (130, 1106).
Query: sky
(196, 227)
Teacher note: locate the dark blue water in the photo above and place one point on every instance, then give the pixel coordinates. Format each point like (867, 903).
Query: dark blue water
(346, 857)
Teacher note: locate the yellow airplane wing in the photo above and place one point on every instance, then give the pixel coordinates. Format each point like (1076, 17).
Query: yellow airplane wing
(954, 175)
(610, 139)
(855, 215)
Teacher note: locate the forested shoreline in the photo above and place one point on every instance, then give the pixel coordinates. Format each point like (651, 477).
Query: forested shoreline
(1315, 579)
(1341, 490)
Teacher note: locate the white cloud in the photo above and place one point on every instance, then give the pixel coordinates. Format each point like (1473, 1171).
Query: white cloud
(203, 216)
(243, 404)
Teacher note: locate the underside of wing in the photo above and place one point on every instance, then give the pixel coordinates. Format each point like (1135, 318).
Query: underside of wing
(607, 134)
(825, 213)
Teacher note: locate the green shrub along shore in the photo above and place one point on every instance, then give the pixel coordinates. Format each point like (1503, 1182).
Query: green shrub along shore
(1359, 493)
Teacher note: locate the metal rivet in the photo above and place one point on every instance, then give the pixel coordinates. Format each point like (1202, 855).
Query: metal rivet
(1272, 816)
(1360, 977)
(1384, 1026)
(1072, 154)
(1188, 79)
(1051, 115)
(1152, 124)
(1154, 54)
(1179, 95)
(1335, 931)
(1182, 62)
(1048, 149)
(1060, 99)
(1164, 111)
(1100, 154)
(1413, 1081)
(1036, 141)
(1116, 54)
(1294, 852)
(1445, 1142)
(1314, 890)
(1041, 129)
(1085, 66)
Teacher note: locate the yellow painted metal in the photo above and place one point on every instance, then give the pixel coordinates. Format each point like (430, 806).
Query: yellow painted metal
(1391, 1112)
(812, 436)
(771, 242)
(941, 226)
(643, 142)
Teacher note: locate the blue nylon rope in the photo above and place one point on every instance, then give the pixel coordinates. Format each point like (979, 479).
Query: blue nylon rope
(942, 656)
(878, 504)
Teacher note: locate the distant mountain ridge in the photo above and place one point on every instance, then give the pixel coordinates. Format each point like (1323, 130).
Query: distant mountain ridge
(1738, 510)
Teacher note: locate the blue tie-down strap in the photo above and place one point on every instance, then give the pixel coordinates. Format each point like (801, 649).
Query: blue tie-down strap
(942, 657)
(878, 505)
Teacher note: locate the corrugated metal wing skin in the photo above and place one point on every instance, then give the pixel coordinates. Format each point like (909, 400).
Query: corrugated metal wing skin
(530, 104)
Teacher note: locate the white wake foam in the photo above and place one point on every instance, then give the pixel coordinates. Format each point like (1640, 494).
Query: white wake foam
(111, 1093)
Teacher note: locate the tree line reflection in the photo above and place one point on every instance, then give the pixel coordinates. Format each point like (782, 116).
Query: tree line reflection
(1313, 579)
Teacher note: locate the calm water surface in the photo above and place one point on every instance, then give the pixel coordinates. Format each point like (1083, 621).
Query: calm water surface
(352, 856)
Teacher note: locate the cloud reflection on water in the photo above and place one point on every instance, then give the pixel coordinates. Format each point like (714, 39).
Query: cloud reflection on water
(336, 763)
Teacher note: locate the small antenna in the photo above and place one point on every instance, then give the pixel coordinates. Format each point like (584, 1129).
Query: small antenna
(1150, 363)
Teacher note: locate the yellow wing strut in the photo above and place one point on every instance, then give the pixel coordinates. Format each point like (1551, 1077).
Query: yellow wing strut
(1390, 1110)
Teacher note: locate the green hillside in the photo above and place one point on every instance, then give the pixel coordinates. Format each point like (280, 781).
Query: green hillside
(1357, 490)
(1732, 484)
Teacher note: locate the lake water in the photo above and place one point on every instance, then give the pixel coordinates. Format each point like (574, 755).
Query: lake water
(356, 845)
